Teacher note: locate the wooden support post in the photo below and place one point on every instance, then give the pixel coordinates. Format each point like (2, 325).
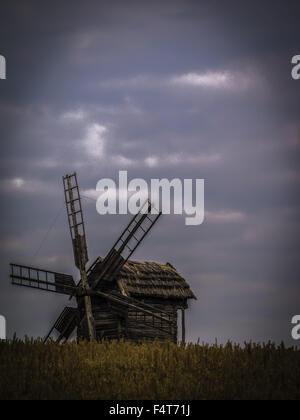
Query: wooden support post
(126, 326)
(119, 329)
(183, 325)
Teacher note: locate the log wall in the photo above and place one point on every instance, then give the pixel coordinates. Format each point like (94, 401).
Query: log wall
(113, 321)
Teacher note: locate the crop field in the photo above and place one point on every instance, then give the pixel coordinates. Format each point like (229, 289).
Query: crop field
(123, 370)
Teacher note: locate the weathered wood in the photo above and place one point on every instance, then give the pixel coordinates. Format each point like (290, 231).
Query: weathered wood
(113, 322)
(36, 278)
(79, 244)
(139, 308)
(123, 248)
(183, 325)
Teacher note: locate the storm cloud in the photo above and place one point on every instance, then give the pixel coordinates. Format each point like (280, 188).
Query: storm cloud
(173, 89)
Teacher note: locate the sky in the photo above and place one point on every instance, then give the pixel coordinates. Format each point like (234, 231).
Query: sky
(172, 89)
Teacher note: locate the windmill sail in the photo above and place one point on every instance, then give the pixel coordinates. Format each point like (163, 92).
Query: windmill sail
(77, 231)
(36, 278)
(127, 243)
(67, 321)
(75, 219)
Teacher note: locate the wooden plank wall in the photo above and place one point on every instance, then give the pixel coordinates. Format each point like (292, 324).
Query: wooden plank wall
(113, 321)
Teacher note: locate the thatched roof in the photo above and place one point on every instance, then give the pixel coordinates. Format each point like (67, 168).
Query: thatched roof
(149, 279)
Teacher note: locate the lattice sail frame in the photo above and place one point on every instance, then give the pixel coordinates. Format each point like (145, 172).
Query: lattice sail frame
(36, 278)
(75, 220)
(127, 243)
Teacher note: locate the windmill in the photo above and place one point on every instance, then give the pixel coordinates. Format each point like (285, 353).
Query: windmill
(106, 306)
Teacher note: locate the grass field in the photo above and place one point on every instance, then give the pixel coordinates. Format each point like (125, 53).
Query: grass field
(123, 370)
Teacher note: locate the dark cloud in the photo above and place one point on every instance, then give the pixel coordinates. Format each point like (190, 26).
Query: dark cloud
(188, 89)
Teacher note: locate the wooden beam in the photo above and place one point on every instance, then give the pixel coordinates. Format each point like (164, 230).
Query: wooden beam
(139, 308)
(119, 329)
(183, 325)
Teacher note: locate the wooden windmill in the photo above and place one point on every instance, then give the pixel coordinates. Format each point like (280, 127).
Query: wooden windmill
(115, 297)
